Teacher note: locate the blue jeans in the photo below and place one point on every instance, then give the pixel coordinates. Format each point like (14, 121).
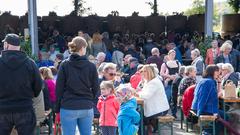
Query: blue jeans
(24, 122)
(72, 118)
(168, 90)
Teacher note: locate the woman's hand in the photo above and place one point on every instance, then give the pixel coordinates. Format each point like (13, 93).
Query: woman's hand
(173, 77)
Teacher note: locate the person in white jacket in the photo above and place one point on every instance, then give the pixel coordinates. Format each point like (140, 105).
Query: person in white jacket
(153, 94)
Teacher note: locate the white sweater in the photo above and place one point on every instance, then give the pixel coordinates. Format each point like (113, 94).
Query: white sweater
(155, 99)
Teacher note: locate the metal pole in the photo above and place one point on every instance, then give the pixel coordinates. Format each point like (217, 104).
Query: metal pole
(32, 23)
(155, 7)
(208, 18)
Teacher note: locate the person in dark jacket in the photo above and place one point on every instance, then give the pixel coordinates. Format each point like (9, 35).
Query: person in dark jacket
(133, 63)
(175, 85)
(107, 42)
(147, 48)
(229, 74)
(20, 82)
(155, 58)
(77, 85)
(226, 56)
(59, 40)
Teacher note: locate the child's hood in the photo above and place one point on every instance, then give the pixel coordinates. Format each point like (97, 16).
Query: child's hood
(132, 103)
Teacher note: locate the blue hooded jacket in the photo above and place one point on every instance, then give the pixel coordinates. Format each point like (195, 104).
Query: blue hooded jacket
(128, 118)
(205, 97)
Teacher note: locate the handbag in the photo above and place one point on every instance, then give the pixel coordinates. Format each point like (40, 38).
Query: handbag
(229, 90)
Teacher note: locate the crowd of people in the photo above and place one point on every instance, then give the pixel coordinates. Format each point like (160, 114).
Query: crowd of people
(83, 77)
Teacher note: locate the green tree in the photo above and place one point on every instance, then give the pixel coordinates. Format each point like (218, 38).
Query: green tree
(26, 47)
(79, 8)
(197, 8)
(153, 6)
(235, 4)
(52, 13)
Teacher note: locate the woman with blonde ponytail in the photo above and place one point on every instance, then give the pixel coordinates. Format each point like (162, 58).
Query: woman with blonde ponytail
(77, 85)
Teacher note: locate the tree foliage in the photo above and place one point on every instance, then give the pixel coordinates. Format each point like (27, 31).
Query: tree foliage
(26, 47)
(52, 13)
(153, 6)
(135, 13)
(197, 8)
(235, 4)
(115, 13)
(6, 13)
(79, 8)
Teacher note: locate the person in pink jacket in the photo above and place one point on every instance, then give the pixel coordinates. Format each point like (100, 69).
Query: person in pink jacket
(50, 82)
(108, 108)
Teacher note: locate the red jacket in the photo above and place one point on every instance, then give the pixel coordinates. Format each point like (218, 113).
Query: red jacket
(108, 108)
(187, 99)
(135, 80)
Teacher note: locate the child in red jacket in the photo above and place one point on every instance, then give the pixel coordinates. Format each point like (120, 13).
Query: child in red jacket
(108, 108)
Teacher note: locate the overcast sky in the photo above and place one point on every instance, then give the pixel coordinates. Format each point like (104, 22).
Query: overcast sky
(101, 7)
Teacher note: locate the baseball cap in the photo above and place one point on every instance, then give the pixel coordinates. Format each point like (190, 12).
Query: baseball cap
(12, 39)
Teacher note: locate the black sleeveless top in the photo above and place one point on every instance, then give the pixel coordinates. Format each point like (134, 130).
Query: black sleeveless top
(172, 71)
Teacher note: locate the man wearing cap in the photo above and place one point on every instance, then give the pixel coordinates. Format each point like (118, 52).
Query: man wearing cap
(20, 81)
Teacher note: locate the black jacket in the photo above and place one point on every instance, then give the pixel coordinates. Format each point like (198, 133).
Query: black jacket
(233, 58)
(77, 84)
(234, 77)
(20, 81)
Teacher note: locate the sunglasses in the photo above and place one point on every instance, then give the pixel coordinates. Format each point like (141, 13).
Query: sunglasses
(112, 74)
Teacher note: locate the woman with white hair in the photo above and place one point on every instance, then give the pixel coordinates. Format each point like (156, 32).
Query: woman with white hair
(188, 80)
(229, 74)
(198, 63)
(226, 56)
(100, 58)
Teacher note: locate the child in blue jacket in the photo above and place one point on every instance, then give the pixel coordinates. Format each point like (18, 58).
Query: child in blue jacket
(128, 117)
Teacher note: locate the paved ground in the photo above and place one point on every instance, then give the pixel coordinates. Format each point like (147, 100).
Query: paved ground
(176, 129)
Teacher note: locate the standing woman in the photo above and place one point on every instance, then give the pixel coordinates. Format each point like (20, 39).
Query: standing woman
(97, 44)
(77, 85)
(169, 71)
(198, 62)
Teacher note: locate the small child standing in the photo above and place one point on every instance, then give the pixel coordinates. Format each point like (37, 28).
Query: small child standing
(128, 117)
(108, 108)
